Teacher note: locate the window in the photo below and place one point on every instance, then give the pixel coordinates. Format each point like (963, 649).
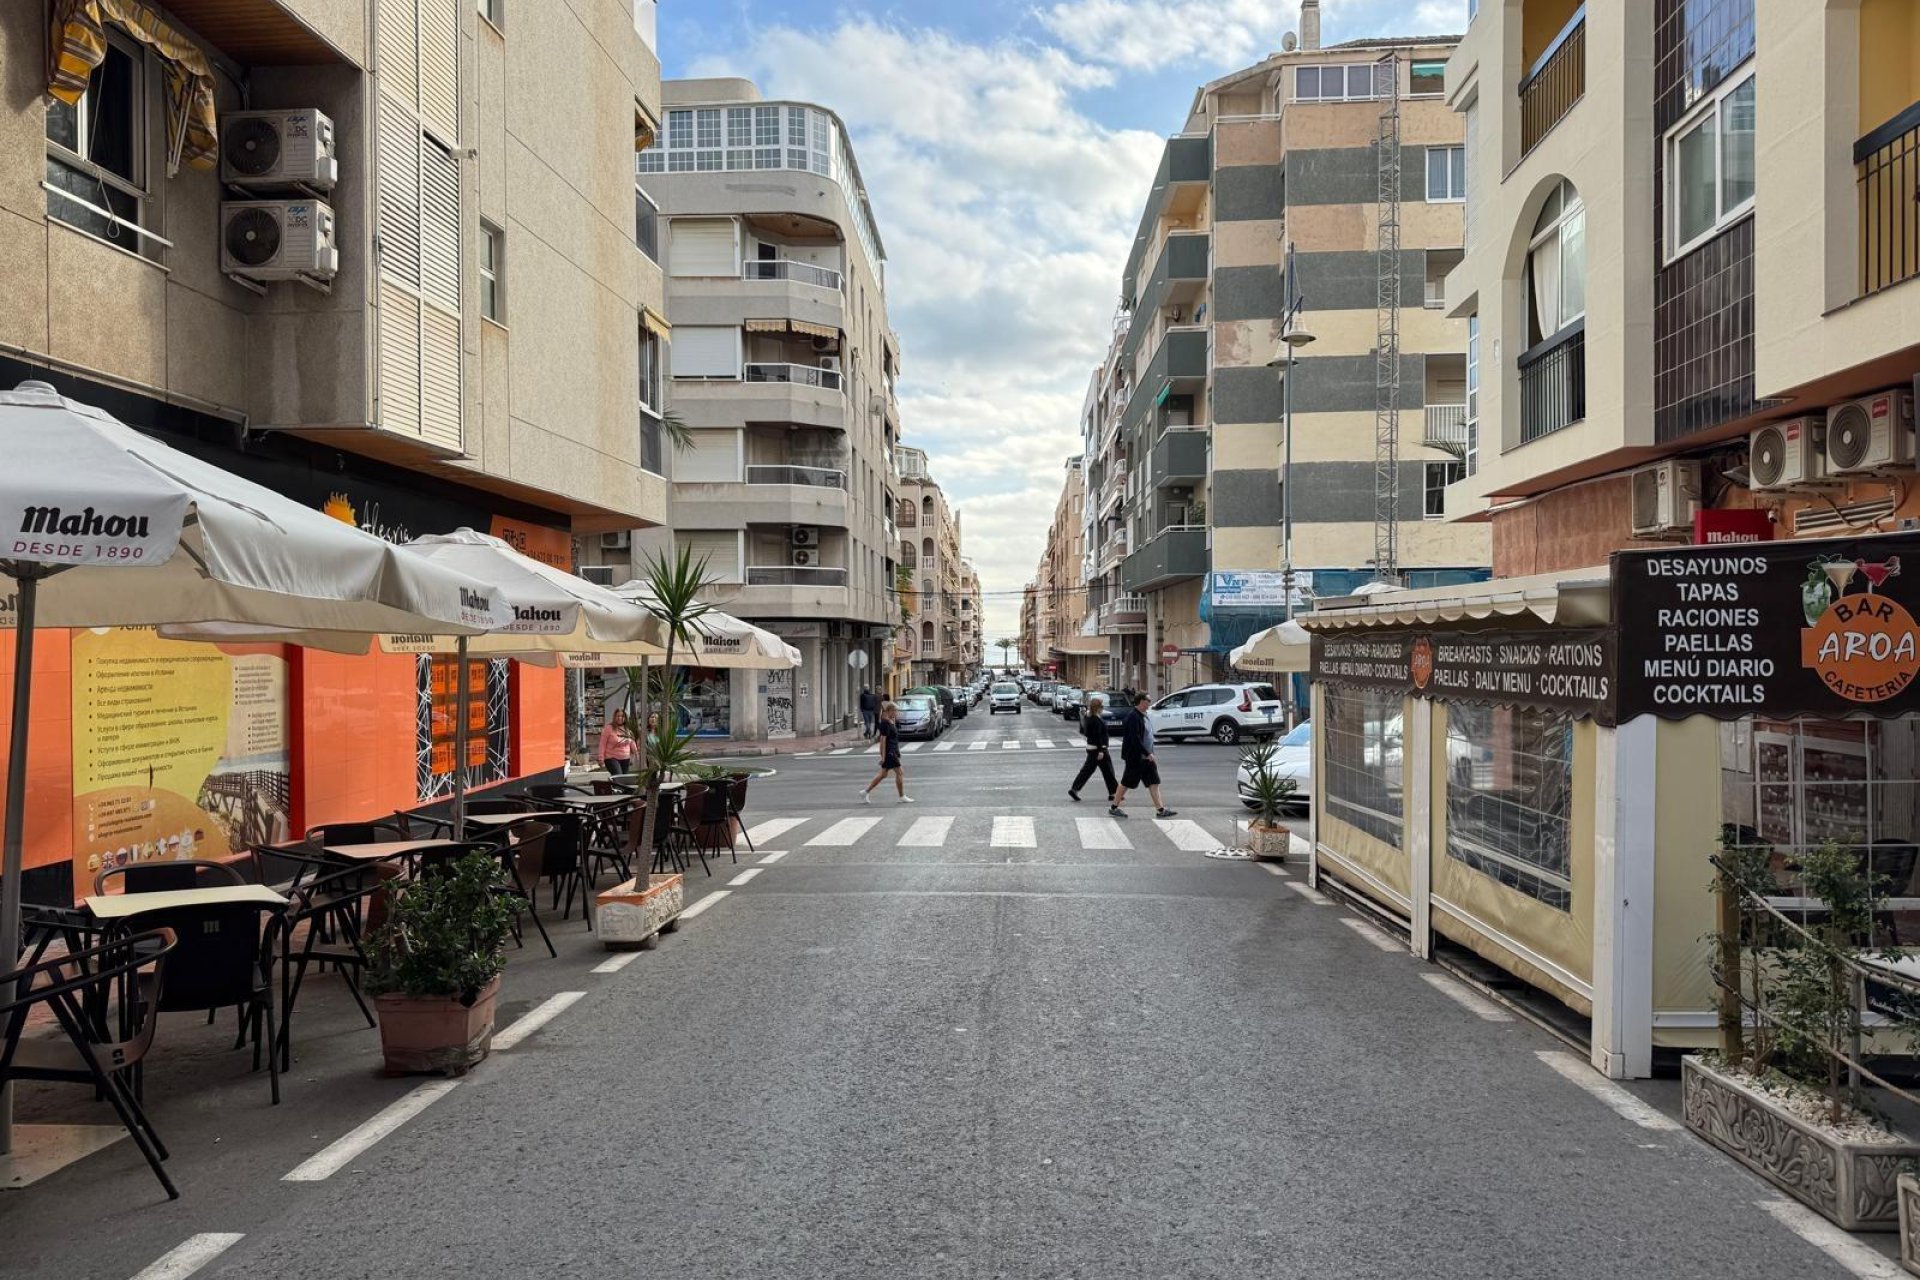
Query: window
(1709, 166)
(652, 403)
(1353, 82)
(1439, 476)
(646, 224)
(1427, 78)
(494, 11)
(1446, 174)
(1363, 760)
(493, 261)
(1557, 264)
(1472, 462)
(489, 722)
(1510, 797)
(96, 152)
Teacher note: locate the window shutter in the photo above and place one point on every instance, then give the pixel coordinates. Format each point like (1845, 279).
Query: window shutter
(399, 359)
(703, 247)
(440, 377)
(439, 225)
(706, 351)
(440, 67)
(720, 548)
(399, 203)
(395, 26)
(712, 458)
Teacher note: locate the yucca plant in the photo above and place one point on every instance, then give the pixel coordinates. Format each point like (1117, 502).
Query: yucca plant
(675, 586)
(1270, 793)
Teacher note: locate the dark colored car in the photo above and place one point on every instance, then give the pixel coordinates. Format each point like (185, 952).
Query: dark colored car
(939, 693)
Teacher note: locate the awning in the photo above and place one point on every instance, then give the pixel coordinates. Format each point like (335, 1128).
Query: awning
(806, 328)
(766, 326)
(643, 131)
(1080, 646)
(78, 37)
(656, 326)
(1576, 598)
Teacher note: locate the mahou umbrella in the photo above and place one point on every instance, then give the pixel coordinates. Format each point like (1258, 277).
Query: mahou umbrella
(102, 526)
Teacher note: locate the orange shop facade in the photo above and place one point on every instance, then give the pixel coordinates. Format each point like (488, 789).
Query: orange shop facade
(143, 748)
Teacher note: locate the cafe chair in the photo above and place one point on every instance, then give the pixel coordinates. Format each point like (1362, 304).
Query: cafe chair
(502, 804)
(554, 790)
(74, 988)
(714, 824)
(562, 860)
(736, 805)
(322, 926)
(224, 959)
(168, 876)
(526, 862)
(687, 804)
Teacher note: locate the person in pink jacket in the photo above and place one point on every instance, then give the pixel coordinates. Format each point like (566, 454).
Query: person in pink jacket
(616, 744)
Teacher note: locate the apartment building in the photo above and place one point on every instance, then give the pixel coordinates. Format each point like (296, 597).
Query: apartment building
(783, 366)
(1689, 281)
(941, 638)
(1066, 642)
(379, 255)
(1258, 262)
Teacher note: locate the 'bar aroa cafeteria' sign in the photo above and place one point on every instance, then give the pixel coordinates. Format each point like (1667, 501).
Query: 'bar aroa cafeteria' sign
(1822, 628)
(1570, 670)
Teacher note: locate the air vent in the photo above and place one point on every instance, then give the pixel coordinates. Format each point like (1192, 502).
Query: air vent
(252, 148)
(1853, 516)
(253, 237)
(1849, 437)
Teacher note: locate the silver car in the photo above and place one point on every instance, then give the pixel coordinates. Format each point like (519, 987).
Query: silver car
(1292, 758)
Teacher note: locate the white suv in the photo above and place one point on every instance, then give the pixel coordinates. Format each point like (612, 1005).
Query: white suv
(1005, 697)
(1224, 712)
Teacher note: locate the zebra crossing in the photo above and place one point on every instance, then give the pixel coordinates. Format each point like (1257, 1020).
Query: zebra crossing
(941, 747)
(1009, 831)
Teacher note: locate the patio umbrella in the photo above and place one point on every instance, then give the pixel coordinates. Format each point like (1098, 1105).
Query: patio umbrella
(1282, 650)
(723, 641)
(102, 526)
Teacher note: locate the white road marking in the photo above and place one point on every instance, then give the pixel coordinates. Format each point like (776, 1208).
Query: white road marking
(190, 1255)
(772, 829)
(775, 856)
(871, 751)
(1044, 744)
(977, 746)
(802, 755)
(535, 1018)
(1187, 836)
(843, 751)
(694, 910)
(1307, 891)
(846, 831)
(1012, 745)
(1578, 1072)
(927, 833)
(1483, 1009)
(1101, 833)
(1371, 936)
(344, 1151)
(615, 963)
(744, 877)
(946, 746)
(1274, 869)
(1849, 1254)
(910, 746)
(1011, 832)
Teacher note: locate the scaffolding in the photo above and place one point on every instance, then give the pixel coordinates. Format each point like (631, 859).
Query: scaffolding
(1386, 353)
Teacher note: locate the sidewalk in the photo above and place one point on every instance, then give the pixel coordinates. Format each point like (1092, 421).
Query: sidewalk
(780, 747)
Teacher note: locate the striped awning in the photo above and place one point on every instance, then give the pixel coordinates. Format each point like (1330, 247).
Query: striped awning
(766, 326)
(78, 34)
(656, 325)
(813, 330)
(643, 131)
(805, 328)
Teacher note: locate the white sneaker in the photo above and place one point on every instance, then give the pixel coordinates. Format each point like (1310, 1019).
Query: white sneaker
(906, 799)
(866, 797)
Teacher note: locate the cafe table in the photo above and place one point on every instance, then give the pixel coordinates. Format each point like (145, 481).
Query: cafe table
(497, 821)
(379, 850)
(120, 906)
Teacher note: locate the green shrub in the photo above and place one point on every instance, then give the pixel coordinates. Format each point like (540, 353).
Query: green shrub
(445, 934)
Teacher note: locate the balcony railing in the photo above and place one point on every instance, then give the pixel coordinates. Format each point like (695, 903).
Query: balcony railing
(1556, 81)
(798, 272)
(804, 375)
(819, 477)
(1447, 428)
(1553, 384)
(793, 575)
(1888, 161)
(1123, 615)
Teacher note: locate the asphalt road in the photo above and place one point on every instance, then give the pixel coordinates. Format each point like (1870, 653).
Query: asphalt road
(990, 1034)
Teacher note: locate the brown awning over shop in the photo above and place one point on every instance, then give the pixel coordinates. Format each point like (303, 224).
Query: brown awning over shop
(1577, 598)
(78, 36)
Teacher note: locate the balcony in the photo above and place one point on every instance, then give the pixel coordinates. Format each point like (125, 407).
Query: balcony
(1553, 384)
(817, 477)
(1185, 262)
(794, 272)
(793, 575)
(799, 375)
(1182, 356)
(1447, 428)
(1186, 167)
(1888, 161)
(1123, 616)
(770, 495)
(1181, 457)
(1556, 81)
(1170, 556)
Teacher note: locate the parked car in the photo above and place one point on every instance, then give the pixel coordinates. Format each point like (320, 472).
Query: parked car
(962, 702)
(1004, 697)
(1113, 706)
(1224, 712)
(1292, 758)
(1067, 702)
(918, 716)
(941, 695)
(1043, 693)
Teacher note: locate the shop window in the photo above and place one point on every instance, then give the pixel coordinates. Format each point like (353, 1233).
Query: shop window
(96, 152)
(489, 745)
(1363, 731)
(1510, 798)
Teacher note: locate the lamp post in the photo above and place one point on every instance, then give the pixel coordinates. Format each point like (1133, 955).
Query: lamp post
(1293, 335)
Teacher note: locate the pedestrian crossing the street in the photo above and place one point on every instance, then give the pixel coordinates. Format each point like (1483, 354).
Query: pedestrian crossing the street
(999, 833)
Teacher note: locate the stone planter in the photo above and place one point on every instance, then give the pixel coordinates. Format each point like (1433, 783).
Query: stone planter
(629, 915)
(1851, 1184)
(1908, 1189)
(1269, 842)
(435, 1034)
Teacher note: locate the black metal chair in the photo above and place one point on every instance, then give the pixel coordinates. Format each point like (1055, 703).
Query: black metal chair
(224, 959)
(554, 790)
(323, 927)
(527, 841)
(713, 821)
(502, 804)
(678, 810)
(562, 860)
(737, 804)
(71, 987)
(168, 876)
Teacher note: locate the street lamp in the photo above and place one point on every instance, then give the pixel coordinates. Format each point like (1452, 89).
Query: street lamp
(1293, 335)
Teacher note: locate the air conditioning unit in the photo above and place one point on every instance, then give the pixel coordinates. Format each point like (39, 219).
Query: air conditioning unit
(278, 239)
(1784, 455)
(267, 149)
(830, 363)
(1665, 497)
(1873, 433)
(618, 540)
(805, 557)
(805, 536)
(823, 343)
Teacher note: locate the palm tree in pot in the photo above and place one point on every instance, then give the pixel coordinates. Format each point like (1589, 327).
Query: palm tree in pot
(1269, 795)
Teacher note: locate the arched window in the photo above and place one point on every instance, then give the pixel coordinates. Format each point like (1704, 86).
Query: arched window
(926, 634)
(926, 506)
(1557, 265)
(926, 549)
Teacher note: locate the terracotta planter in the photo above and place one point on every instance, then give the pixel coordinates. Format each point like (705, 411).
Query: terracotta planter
(1908, 1189)
(1851, 1184)
(435, 1034)
(1269, 842)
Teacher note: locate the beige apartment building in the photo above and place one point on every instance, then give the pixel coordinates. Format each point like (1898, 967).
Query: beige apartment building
(783, 365)
(1065, 643)
(1265, 223)
(941, 639)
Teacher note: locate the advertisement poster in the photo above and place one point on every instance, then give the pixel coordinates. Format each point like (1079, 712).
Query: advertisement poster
(1569, 670)
(179, 750)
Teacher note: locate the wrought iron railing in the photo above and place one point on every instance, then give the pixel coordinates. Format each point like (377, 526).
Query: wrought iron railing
(1888, 162)
(1553, 384)
(1556, 81)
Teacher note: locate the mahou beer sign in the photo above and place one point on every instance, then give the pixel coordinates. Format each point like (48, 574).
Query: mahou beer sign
(1777, 629)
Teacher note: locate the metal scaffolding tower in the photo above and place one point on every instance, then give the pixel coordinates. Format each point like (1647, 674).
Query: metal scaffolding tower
(1386, 353)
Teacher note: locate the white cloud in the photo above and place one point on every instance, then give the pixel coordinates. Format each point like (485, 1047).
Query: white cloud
(1146, 35)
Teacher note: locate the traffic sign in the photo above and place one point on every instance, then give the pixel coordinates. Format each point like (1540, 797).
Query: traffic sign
(1169, 654)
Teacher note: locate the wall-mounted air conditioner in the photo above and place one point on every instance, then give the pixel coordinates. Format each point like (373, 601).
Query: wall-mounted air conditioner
(805, 557)
(823, 343)
(1873, 433)
(805, 536)
(265, 150)
(618, 540)
(830, 363)
(1665, 497)
(1783, 455)
(278, 239)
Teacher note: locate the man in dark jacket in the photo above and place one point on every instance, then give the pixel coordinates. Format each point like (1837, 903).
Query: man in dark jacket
(1095, 730)
(1136, 754)
(869, 708)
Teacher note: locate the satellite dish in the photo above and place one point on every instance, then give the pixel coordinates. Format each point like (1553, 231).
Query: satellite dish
(1289, 42)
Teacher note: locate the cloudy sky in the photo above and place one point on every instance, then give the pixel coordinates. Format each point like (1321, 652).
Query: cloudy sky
(1008, 146)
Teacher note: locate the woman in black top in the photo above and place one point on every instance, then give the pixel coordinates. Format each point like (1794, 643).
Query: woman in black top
(889, 733)
(1096, 731)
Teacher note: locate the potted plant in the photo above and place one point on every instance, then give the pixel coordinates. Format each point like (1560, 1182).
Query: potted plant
(1269, 795)
(1779, 1095)
(434, 967)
